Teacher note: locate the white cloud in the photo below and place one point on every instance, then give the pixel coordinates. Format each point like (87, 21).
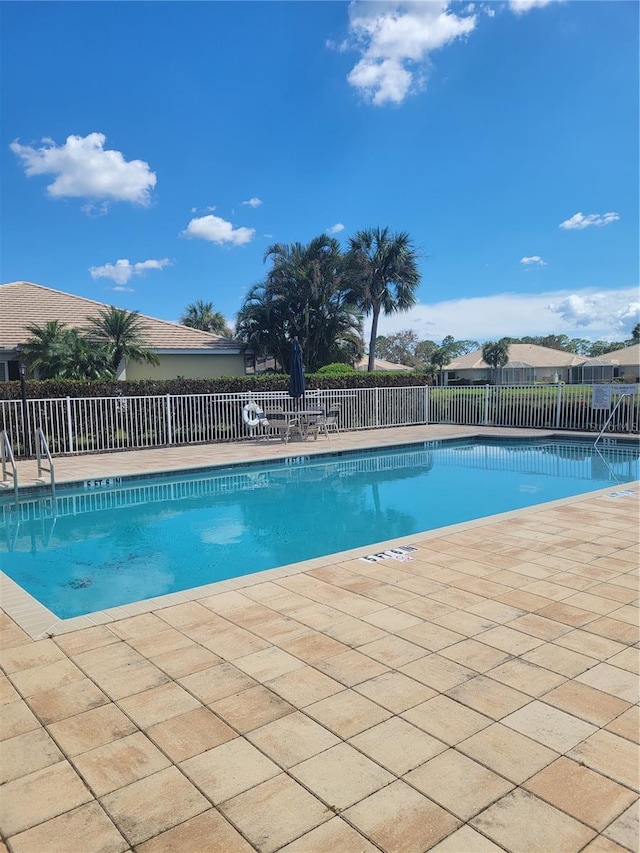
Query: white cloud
(218, 230)
(595, 309)
(607, 315)
(84, 169)
(336, 229)
(534, 260)
(519, 7)
(579, 221)
(395, 41)
(253, 202)
(123, 270)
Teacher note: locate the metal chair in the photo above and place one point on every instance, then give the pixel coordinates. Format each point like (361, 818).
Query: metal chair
(324, 423)
(283, 424)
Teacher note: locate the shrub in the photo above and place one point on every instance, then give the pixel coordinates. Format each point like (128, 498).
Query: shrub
(57, 388)
(336, 369)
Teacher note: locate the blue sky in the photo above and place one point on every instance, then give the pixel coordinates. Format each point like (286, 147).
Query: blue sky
(151, 151)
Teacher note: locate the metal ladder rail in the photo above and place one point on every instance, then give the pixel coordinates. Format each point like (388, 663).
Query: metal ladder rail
(43, 446)
(611, 414)
(6, 453)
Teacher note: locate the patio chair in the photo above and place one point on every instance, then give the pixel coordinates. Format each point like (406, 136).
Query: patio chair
(283, 424)
(324, 423)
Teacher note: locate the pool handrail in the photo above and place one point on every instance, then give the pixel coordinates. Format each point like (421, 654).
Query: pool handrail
(42, 448)
(611, 414)
(6, 453)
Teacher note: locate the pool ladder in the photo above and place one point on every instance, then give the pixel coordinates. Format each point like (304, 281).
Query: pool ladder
(6, 453)
(9, 468)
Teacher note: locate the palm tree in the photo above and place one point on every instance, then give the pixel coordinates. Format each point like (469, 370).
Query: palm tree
(122, 334)
(383, 274)
(496, 354)
(56, 351)
(303, 296)
(47, 350)
(201, 315)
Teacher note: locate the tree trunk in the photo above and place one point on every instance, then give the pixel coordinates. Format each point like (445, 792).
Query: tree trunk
(372, 340)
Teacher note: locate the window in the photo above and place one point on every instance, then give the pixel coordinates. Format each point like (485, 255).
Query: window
(4, 371)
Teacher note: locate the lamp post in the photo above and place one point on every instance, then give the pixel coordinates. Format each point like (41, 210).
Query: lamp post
(23, 398)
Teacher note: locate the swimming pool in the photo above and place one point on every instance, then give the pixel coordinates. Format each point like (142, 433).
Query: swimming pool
(112, 542)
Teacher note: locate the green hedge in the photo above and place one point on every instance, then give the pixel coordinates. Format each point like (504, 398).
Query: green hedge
(54, 388)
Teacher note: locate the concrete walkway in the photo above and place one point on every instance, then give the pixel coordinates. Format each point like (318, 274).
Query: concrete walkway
(481, 696)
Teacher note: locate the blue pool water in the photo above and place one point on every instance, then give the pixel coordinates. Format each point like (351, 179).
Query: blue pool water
(116, 542)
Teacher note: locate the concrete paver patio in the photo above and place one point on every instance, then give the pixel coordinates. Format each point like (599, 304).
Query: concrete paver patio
(482, 696)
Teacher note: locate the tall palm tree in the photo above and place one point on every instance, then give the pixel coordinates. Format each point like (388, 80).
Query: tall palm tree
(122, 334)
(496, 354)
(383, 274)
(303, 296)
(202, 315)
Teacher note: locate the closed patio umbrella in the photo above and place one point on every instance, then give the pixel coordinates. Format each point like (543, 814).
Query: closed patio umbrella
(296, 371)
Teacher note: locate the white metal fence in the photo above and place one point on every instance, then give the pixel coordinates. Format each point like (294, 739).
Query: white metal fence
(93, 424)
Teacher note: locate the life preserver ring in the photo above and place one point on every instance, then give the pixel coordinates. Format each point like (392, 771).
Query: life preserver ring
(253, 415)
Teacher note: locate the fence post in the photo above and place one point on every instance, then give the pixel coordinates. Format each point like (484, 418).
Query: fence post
(559, 406)
(485, 417)
(69, 426)
(377, 406)
(168, 415)
(426, 403)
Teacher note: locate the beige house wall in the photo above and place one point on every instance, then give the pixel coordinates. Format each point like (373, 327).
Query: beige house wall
(188, 366)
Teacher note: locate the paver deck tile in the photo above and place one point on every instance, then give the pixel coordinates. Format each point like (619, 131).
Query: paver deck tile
(91, 729)
(581, 793)
(190, 734)
(459, 784)
(229, 769)
(489, 697)
(395, 691)
(625, 830)
(64, 833)
(399, 819)
(611, 679)
(208, 832)
(549, 726)
(611, 755)
(586, 702)
(35, 798)
(341, 776)
(140, 810)
(627, 724)
(446, 719)
(347, 713)
(397, 745)
(275, 812)
(16, 720)
(522, 823)
(292, 739)
(251, 708)
(119, 763)
(507, 752)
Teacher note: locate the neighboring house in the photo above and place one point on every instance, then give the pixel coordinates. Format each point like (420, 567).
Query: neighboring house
(183, 352)
(380, 364)
(622, 365)
(528, 363)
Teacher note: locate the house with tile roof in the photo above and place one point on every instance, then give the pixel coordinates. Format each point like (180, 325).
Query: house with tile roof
(529, 363)
(183, 352)
(622, 365)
